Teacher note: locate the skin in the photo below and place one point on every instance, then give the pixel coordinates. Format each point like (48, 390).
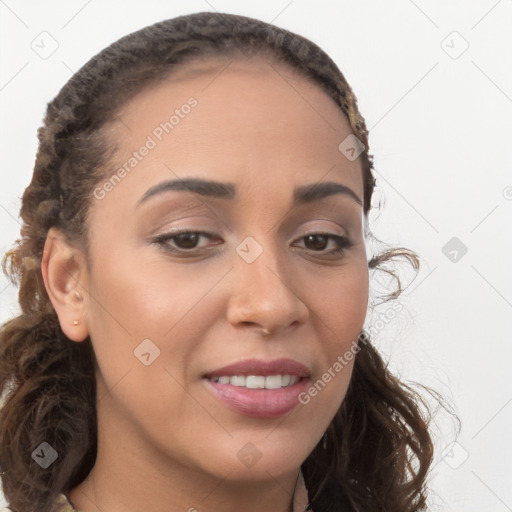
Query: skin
(166, 443)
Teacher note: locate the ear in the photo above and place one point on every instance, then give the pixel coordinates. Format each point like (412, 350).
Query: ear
(65, 278)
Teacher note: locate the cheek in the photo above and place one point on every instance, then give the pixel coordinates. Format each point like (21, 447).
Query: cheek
(340, 305)
(145, 327)
(340, 301)
(155, 314)
(142, 298)
(134, 311)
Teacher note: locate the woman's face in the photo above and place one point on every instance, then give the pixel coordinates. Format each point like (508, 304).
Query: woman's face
(165, 316)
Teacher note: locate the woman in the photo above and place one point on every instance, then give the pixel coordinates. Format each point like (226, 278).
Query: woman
(194, 283)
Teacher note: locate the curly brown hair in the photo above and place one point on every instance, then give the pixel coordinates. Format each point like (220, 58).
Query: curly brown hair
(379, 448)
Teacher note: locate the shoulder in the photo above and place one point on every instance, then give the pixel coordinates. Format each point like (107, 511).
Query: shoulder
(61, 504)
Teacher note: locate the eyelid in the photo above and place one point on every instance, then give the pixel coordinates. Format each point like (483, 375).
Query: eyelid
(325, 226)
(342, 242)
(320, 231)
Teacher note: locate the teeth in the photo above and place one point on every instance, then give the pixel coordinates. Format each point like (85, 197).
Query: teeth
(237, 380)
(273, 381)
(258, 381)
(254, 382)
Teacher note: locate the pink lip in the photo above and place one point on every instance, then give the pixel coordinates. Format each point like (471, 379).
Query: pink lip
(260, 403)
(259, 367)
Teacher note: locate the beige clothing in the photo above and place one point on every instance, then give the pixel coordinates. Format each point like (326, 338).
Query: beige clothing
(300, 500)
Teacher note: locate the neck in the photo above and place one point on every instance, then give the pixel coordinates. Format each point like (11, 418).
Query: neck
(101, 493)
(129, 477)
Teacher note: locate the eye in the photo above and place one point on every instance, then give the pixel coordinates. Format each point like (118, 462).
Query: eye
(318, 242)
(184, 241)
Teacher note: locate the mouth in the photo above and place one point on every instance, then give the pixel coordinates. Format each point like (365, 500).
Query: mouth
(263, 389)
(258, 381)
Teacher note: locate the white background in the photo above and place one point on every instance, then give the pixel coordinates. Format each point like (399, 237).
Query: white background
(440, 130)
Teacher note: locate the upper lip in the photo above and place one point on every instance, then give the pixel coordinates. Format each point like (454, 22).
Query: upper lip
(260, 367)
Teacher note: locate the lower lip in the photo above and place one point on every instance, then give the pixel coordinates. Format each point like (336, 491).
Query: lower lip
(260, 403)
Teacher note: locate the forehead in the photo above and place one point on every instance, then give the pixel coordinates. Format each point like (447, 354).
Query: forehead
(251, 119)
(240, 93)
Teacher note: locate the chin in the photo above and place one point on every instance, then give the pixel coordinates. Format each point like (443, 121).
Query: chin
(259, 457)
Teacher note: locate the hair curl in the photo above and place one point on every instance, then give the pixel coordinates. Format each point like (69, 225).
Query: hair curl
(378, 445)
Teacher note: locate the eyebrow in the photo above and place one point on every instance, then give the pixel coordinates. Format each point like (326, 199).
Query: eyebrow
(217, 189)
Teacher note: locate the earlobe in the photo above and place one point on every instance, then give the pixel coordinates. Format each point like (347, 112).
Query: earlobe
(65, 278)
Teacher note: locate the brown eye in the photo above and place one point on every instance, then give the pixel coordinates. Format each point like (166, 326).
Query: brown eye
(316, 242)
(184, 241)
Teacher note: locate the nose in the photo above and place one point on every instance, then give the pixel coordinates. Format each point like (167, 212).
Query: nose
(264, 296)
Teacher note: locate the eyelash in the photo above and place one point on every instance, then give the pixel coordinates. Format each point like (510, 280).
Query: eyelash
(162, 240)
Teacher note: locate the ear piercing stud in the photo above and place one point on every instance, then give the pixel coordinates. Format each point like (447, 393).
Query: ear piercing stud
(77, 295)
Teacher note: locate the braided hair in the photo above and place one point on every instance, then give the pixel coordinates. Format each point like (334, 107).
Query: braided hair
(377, 449)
